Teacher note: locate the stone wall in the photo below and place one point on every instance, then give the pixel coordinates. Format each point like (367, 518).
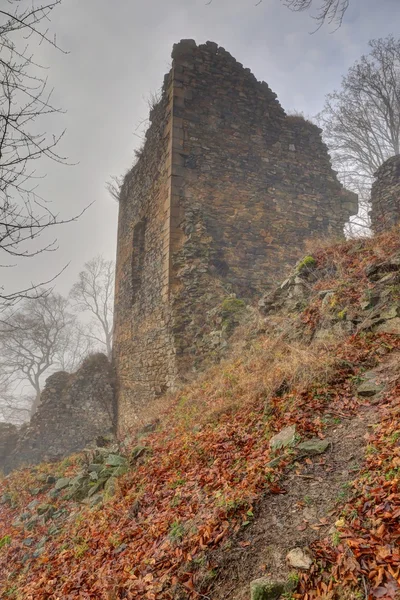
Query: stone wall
(385, 195)
(74, 410)
(229, 188)
(8, 441)
(143, 348)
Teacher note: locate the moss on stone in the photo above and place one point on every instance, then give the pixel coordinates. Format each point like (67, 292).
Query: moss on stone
(232, 305)
(231, 308)
(265, 589)
(308, 262)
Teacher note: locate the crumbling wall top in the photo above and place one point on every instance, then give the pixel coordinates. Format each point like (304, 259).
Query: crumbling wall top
(186, 50)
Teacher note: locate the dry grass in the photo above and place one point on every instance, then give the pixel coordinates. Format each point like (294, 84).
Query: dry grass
(271, 366)
(298, 117)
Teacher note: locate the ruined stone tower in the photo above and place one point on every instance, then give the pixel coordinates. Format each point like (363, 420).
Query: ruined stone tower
(385, 195)
(225, 192)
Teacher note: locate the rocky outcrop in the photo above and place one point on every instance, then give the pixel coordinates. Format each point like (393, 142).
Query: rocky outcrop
(377, 310)
(75, 409)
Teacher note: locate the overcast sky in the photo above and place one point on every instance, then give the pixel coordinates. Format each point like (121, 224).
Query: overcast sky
(118, 53)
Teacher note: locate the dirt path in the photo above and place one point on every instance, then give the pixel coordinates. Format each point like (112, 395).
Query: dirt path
(300, 516)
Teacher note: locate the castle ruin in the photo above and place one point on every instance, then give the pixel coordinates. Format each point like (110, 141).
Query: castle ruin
(226, 190)
(385, 195)
(75, 409)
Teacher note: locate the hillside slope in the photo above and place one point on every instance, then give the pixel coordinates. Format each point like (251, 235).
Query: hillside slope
(208, 498)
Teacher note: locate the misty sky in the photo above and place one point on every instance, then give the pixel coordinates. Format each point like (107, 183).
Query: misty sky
(118, 53)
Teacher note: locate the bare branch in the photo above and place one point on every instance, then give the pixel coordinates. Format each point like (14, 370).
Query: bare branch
(330, 11)
(94, 293)
(327, 11)
(25, 102)
(113, 187)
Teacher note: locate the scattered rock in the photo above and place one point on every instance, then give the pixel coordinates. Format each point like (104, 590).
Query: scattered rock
(323, 293)
(121, 470)
(390, 326)
(62, 483)
(390, 312)
(314, 446)
(375, 272)
(44, 508)
(28, 541)
(328, 301)
(53, 530)
(110, 487)
(137, 452)
(6, 499)
(96, 500)
(369, 387)
(95, 468)
(32, 505)
(115, 460)
(283, 439)
(298, 559)
(96, 487)
(31, 524)
(265, 589)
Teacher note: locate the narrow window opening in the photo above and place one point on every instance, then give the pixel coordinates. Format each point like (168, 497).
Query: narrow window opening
(138, 257)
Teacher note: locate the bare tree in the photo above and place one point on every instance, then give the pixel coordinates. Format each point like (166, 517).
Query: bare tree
(330, 11)
(25, 104)
(31, 339)
(361, 121)
(94, 293)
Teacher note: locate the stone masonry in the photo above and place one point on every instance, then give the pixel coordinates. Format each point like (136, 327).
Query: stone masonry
(74, 410)
(385, 195)
(224, 194)
(8, 441)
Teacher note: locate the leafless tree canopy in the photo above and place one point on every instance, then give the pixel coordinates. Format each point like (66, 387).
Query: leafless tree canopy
(31, 341)
(94, 293)
(361, 121)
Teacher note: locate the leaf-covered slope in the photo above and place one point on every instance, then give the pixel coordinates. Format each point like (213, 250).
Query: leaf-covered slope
(189, 490)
